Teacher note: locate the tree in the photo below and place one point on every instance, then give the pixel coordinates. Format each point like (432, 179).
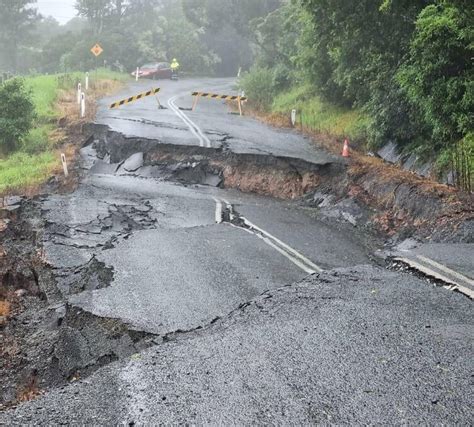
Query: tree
(17, 114)
(438, 74)
(226, 26)
(17, 19)
(99, 12)
(172, 35)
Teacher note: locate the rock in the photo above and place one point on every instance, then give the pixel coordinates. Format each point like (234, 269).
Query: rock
(407, 245)
(389, 153)
(20, 293)
(133, 163)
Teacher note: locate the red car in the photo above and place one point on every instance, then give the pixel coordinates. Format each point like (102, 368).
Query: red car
(158, 70)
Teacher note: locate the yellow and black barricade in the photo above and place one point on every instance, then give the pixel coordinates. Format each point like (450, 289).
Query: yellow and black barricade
(134, 98)
(237, 98)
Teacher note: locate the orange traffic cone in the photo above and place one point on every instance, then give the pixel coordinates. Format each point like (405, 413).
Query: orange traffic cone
(346, 150)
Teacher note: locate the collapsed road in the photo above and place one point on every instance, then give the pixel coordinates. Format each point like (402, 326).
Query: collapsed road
(172, 297)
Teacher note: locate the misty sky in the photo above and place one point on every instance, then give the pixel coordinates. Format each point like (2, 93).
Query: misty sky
(62, 10)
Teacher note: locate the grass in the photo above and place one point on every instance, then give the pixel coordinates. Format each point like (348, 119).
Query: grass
(21, 170)
(37, 159)
(321, 116)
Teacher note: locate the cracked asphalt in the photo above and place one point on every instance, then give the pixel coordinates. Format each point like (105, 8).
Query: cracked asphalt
(352, 346)
(244, 335)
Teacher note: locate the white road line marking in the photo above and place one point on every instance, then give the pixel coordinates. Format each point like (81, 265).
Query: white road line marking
(204, 141)
(429, 272)
(446, 270)
(280, 250)
(293, 255)
(284, 245)
(218, 211)
(279, 242)
(184, 118)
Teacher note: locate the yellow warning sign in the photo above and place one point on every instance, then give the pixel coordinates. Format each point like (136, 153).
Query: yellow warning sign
(97, 50)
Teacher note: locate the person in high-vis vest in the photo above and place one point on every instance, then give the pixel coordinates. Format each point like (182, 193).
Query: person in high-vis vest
(174, 69)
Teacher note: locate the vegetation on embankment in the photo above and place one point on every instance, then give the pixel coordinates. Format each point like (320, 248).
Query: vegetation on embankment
(34, 157)
(317, 115)
(407, 66)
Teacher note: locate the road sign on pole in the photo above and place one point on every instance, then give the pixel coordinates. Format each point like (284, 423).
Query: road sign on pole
(97, 50)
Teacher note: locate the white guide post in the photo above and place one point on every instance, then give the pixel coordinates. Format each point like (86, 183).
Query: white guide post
(64, 162)
(83, 105)
(293, 117)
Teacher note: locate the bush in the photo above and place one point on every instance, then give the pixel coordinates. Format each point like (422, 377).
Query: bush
(17, 114)
(258, 84)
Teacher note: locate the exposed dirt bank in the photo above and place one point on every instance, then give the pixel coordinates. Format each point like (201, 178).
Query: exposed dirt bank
(44, 341)
(368, 192)
(405, 203)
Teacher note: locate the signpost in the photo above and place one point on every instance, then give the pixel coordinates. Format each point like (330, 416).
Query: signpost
(97, 51)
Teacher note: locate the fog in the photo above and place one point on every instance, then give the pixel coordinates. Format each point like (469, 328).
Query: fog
(209, 36)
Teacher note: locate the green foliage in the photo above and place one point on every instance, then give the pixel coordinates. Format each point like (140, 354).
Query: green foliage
(227, 29)
(21, 169)
(322, 116)
(259, 87)
(43, 91)
(17, 19)
(172, 36)
(37, 141)
(405, 67)
(276, 36)
(438, 75)
(17, 114)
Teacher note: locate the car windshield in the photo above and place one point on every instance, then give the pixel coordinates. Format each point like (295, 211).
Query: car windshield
(149, 66)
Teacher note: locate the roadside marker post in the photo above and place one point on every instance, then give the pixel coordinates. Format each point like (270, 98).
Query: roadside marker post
(199, 95)
(136, 74)
(79, 91)
(240, 105)
(83, 105)
(87, 81)
(64, 162)
(293, 117)
(135, 98)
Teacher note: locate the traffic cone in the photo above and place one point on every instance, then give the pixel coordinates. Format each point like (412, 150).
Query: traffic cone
(346, 150)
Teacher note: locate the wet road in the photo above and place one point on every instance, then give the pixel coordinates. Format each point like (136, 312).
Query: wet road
(177, 264)
(257, 325)
(210, 125)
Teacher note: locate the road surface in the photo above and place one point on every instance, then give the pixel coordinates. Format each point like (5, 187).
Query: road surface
(268, 313)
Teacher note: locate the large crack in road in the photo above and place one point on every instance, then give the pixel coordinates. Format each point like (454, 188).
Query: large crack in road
(159, 292)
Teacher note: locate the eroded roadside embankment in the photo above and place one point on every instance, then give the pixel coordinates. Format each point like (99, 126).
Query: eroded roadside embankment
(379, 197)
(47, 343)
